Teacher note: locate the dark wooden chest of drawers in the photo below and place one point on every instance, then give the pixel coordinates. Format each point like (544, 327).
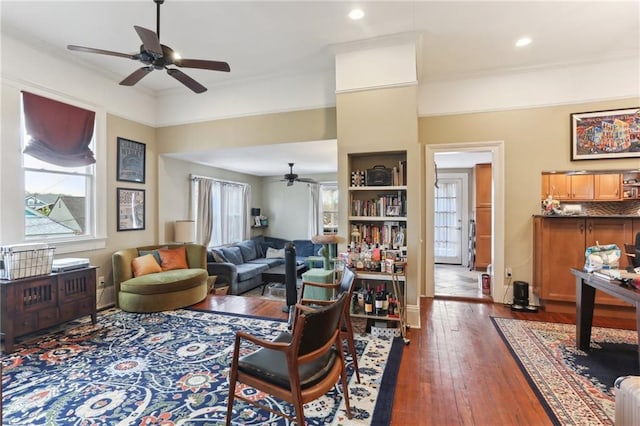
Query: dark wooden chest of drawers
(34, 303)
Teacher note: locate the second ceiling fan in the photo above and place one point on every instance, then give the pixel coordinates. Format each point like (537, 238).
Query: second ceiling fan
(156, 56)
(291, 177)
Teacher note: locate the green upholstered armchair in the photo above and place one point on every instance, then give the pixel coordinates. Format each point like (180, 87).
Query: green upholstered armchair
(164, 290)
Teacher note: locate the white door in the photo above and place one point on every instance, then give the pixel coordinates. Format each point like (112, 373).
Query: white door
(450, 224)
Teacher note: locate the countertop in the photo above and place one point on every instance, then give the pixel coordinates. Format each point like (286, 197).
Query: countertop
(583, 216)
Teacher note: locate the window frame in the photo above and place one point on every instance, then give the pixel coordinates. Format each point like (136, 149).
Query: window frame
(331, 186)
(96, 222)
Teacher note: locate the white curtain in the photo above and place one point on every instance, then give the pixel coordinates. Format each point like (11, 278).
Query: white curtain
(222, 211)
(203, 188)
(315, 225)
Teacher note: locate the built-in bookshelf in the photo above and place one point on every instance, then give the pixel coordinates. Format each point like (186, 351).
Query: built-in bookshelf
(378, 198)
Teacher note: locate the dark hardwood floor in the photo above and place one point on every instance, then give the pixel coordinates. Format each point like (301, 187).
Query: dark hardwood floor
(456, 370)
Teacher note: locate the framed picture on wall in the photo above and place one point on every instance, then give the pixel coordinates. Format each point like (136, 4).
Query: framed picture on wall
(130, 209)
(605, 134)
(131, 161)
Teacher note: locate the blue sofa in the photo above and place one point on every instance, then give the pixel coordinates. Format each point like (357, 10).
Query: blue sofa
(241, 264)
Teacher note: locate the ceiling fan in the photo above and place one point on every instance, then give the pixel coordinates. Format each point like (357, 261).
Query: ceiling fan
(292, 177)
(158, 56)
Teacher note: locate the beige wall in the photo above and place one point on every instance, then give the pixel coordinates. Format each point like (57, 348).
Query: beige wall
(267, 129)
(536, 140)
(385, 120)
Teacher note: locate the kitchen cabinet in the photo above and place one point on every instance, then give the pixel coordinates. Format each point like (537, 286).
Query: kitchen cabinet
(581, 187)
(587, 187)
(560, 244)
(483, 211)
(607, 187)
(556, 185)
(568, 187)
(631, 186)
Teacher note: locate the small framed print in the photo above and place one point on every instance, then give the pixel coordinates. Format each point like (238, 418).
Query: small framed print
(393, 211)
(130, 209)
(131, 161)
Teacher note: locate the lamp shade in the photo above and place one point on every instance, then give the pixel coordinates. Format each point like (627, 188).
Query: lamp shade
(184, 231)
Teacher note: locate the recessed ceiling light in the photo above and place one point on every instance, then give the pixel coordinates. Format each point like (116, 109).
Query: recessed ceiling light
(356, 14)
(523, 42)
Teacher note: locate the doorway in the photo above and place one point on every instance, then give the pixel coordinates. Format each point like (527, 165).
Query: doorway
(453, 279)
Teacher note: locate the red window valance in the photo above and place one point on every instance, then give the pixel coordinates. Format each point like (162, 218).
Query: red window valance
(60, 133)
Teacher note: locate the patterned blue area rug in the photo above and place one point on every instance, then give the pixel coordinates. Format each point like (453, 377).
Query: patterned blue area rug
(575, 387)
(169, 368)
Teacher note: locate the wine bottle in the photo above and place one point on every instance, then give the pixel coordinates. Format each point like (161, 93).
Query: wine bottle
(379, 300)
(368, 302)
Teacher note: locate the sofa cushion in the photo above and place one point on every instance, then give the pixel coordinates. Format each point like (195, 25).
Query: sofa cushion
(248, 250)
(153, 252)
(218, 256)
(304, 248)
(173, 258)
(246, 271)
(165, 282)
(271, 262)
(233, 254)
(143, 265)
(265, 246)
(274, 253)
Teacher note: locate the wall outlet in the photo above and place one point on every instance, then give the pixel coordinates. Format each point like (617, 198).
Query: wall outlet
(507, 272)
(101, 282)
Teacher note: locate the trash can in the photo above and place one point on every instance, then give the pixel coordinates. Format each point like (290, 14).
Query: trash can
(486, 284)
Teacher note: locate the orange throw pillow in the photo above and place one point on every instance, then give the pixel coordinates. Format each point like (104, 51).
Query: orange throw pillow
(144, 265)
(173, 258)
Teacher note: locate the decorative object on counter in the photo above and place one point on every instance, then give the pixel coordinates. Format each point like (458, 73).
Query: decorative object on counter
(551, 206)
(605, 134)
(324, 251)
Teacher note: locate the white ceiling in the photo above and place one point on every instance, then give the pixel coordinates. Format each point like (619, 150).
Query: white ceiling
(266, 39)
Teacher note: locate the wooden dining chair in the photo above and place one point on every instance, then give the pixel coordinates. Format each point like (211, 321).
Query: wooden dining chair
(297, 367)
(345, 285)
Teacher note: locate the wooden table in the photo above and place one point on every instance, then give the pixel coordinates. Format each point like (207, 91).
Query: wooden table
(586, 285)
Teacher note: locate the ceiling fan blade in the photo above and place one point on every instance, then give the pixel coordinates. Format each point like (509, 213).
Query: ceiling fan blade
(306, 180)
(186, 80)
(136, 76)
(203, 64)
(150, 41)
(100, 51)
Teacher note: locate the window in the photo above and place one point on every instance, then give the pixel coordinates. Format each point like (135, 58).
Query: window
(59, 178)
(329, 195)
(226, 204)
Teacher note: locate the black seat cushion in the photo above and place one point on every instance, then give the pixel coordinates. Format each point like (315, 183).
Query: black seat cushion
(271, 366)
